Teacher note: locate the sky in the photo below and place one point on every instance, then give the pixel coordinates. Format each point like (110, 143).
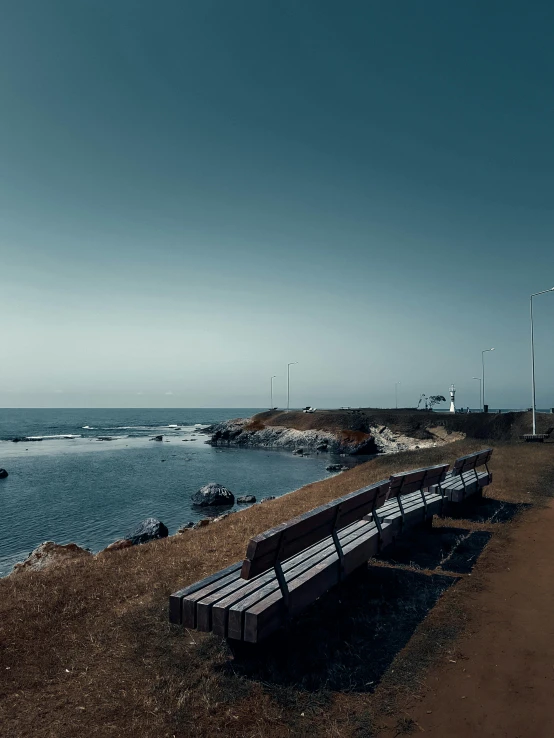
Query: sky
(194, 194)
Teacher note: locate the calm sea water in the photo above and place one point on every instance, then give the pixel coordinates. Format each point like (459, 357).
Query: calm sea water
(72, 487)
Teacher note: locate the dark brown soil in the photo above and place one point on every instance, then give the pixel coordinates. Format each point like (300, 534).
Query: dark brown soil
(497, 680)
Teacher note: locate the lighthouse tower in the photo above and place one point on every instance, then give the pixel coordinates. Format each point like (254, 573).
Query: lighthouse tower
(452, 396)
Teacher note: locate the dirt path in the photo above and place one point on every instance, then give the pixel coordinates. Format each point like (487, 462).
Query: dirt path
(502, 682)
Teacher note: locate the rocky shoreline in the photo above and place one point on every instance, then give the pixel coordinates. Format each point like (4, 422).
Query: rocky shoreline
(245, 433)
(49, 553)
(250, 433)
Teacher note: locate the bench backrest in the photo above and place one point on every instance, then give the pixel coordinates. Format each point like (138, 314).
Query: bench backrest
(292, 537)
(471, 461)
(417, 479)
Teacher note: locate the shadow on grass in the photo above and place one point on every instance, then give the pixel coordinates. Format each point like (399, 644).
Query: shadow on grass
(447, 549)
(485, 510)
(348, 638)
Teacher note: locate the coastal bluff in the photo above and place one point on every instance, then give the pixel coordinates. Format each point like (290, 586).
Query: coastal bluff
(333, 431)
(368, 431)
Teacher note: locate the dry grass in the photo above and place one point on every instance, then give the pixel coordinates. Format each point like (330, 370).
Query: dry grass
(86, 648)
(414, 423)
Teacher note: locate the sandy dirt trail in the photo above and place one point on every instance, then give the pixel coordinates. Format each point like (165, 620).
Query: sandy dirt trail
(499, 682)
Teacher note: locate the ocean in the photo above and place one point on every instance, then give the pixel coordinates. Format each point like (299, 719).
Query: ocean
(73, 487)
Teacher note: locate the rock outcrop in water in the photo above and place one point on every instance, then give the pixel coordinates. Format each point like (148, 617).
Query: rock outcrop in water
(336, 468)
(150, 529)
(246, 500)
(3, 474)
(213, 494)
(50, 554)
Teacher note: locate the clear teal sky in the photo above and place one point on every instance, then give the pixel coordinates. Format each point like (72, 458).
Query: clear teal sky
(193, 194)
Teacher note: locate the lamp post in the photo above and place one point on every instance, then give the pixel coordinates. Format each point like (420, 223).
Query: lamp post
(272, 378)
(483, 385)
(480, 390)
(396, 393)
(533, 356)
(288, 382)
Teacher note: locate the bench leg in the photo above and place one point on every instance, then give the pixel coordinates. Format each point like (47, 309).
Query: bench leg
(241, 650)
(428, 523)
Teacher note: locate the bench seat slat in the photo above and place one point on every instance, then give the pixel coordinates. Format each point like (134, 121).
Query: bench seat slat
(176, 599)
(414, 514)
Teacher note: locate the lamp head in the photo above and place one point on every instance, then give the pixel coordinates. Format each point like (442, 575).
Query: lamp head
(492, 349)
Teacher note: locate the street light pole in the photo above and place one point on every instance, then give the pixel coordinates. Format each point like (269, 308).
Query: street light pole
(533, 356)
(483, 385)
(396, 393)
(288, 382)
(480, 390)
(272, 378)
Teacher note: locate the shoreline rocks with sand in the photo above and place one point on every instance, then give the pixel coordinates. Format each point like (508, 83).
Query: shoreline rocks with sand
(50, 554)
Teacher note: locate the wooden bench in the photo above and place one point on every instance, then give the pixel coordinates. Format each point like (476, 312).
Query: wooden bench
(285, 569)
(465, 479)
(414, 497)
(290, 566)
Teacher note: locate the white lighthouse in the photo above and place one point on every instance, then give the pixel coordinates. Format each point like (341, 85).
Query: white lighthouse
(452, 396)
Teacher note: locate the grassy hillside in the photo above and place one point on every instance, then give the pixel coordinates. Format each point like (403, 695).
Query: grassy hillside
(414, 423)
(86, 648)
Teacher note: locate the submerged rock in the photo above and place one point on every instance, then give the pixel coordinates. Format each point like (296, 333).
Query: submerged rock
(213, 494)
(246, 499)
(3, 474)
(150, 529)
(336, 467)
(51, 554)
(157, 438)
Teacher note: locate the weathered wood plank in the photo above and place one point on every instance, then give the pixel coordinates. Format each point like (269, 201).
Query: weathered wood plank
(175, 600)
(471, 461)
